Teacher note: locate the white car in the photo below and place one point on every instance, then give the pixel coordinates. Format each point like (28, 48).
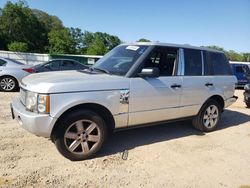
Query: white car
(133, 85)
(11, 73)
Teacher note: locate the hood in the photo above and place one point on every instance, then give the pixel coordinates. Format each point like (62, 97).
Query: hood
(72, 81)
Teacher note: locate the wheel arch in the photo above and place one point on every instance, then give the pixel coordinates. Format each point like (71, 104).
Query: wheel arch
(97, 108)
(4, 75)
(217, 98)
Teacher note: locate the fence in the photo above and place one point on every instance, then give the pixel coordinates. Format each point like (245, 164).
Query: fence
(36, 58)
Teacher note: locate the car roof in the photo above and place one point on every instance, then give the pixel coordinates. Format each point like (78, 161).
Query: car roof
(64, 59)
(173, 45)
(11, 61)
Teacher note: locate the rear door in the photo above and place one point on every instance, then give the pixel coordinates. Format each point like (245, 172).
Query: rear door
(224, 80)
(197, 82)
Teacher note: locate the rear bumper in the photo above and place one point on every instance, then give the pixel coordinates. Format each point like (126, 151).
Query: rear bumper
(230, 101)
(38, 124)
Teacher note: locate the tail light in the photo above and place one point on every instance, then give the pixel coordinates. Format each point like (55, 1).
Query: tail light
(29, 70)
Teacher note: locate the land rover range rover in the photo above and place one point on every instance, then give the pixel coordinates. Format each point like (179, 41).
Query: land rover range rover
(133, 85)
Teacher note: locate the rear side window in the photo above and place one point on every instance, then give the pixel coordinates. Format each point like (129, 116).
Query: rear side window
(218, 63)
(2, 62)
(69, 65)
(193, 62)
(53, 65)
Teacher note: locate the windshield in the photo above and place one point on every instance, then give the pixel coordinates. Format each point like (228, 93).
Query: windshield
(119, 60)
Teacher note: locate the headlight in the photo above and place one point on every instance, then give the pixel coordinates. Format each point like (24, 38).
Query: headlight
(38, 102)
(43, 103)
(31, 101)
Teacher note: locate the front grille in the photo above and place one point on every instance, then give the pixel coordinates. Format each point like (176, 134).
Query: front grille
(23, 96)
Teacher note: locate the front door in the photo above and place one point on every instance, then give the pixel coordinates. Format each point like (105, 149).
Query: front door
(156, 99)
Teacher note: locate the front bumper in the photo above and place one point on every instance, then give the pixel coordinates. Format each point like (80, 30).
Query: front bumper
(38, 124)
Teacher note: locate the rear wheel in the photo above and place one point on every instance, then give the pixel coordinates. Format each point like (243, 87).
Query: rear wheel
(8, 83)
(80, 135)
(248, 104)
(208, 117)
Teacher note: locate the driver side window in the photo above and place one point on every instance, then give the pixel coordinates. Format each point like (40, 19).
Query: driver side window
(163, 58)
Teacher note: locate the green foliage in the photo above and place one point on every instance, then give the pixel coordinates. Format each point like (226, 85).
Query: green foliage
(77, 38)
(49, 22)
(143, 40)
(18, 23)
(18, 47)
(97, 47)
(99, 43)
(61, 42)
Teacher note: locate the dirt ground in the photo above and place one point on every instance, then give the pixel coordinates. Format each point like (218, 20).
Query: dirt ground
(170, 155)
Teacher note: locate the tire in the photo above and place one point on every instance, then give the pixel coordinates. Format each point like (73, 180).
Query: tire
(207, 120)
(8, 84)
(80, 134)
(248, 104)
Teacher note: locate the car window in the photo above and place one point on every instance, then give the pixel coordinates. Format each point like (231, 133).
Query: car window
(164, 58)
(218, 63)
(119, 60)
(69, 65)
(52, 65)
(239, 69)
(193, 62)
(2, 62)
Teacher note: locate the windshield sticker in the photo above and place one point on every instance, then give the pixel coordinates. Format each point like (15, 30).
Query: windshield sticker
(134, 48)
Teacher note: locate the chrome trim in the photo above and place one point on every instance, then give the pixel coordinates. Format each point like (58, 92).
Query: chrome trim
(202, 62)
(124, 101)
(181, 65)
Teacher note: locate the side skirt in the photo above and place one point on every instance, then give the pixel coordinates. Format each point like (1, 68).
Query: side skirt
(153, 123)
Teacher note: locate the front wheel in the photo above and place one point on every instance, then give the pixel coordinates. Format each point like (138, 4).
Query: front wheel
(80, 135)
(208, 117)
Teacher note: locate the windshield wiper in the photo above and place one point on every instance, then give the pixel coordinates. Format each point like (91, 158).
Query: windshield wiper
(99, 69)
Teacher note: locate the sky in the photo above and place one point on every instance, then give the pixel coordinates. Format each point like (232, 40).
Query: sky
(225, 23)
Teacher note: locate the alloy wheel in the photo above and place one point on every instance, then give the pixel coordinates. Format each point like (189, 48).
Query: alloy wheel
(82, 137)
(211, 116)
(7, 84)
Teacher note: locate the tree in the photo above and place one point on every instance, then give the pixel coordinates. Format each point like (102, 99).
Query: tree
(246, 57)
(97, 47)
(92, 40)
(18, 47)
(49, 22)
(61, 42)
(143, 40)
(77, 37)
(18, 23)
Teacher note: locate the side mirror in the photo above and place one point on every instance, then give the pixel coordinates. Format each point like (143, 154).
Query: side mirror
(150, 72)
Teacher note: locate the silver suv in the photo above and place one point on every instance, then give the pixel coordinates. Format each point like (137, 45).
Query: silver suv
(133, 85)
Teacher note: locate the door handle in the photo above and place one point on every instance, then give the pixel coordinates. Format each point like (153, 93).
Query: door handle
(209, 84)
(174, 86)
